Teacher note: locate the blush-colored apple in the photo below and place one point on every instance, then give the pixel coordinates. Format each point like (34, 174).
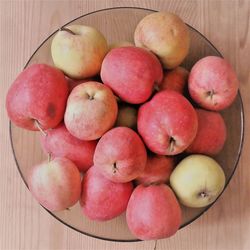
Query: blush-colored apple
(60, 143)
(131, 73)
(101, 198)
(166, 35)
(212, 83)
(175, 79)
(211, 134)
(158, 169)
(120, 155)
(78, 50)
(91, 111)
(37, 98)
(167, 123)
(153, 212)
(56, 185)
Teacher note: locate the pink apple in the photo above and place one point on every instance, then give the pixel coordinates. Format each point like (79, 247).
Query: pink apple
(60, 143)
(211, 134)
(167, 123)
(91, 111)
(153, 212)
(101, 198)
(56, 184)
(120, 155)
(175, 79)
(37, 97)
(213, 83)
(158, 169)
(131, 73)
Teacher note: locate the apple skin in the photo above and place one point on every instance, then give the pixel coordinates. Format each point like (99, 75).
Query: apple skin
(60, 143)
(122, 71)
(39, 94)
(120, 155)
(56, 185)
(73, 83)
(101, 198)
(175, 79)
(167, 123)
(211, 134)
(153, 212)
(212, 83)
(79, 54)
(91, 111)
(127, 117)
(166, 35)
(208, 180)
(158, 169)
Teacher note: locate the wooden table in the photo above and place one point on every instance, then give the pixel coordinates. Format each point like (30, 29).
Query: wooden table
(23, 223)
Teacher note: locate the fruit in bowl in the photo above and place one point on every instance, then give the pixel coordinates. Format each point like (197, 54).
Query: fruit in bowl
(95, 115)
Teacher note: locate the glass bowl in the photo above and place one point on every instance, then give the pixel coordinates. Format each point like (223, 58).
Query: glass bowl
(118, 24)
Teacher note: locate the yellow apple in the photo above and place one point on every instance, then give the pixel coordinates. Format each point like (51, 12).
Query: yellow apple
(78, 51)
(197, 180)
(166, 35)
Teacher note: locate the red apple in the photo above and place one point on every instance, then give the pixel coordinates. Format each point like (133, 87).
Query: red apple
(175, 79)
(91, 111)
(56, 184)
(211, 134)
(153, 212)
(101, 198)
(37, 97)
(167, 123)
(158, 169)
(213, 83)
(120, 155)
(131, 73)
(60, 143)
(73, 82)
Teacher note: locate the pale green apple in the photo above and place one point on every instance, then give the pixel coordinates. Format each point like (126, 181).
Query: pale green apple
(197, 180)
(79, 50)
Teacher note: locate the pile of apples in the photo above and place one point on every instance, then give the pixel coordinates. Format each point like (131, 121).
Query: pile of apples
(116, 121)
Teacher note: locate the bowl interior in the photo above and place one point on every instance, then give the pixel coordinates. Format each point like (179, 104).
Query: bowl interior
(119, 24)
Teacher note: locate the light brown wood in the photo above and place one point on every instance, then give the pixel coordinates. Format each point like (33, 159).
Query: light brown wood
(23, 223)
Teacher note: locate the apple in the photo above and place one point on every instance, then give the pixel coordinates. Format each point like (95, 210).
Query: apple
(153, 212)
(197, 180)
(131, 73)
(175, 79)
(158, 169)
(120, 44)
(213, 83)
(60, 143)
(91, 111)
(37, 98)
(127, 117)
(166, 35)
(211, 134)
(101, 198)
(56, 185)
(167, 123)
(78, 50)
(120, 155)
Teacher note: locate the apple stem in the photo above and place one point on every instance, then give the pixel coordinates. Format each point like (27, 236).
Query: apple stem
(155, 245)
(203, 194)
(49, 157)
(211, 93)
(38, 125)
(114, 168)
(172, 143)
(67, 30)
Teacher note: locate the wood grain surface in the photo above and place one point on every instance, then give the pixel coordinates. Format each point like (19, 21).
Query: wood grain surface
(26, 225)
